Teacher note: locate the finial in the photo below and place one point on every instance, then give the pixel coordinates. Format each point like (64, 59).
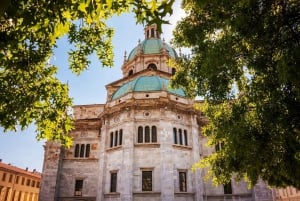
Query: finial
(164, 46)
(180, 53)
(139, 47)
(125, 56)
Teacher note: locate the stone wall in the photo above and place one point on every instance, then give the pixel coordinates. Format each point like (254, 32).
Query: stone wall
(51, 167)
(261, 192)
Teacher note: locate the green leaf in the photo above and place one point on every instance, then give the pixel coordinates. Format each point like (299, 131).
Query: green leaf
(82, 7)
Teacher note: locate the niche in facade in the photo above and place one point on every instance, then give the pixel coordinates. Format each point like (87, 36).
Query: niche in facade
(152, 66)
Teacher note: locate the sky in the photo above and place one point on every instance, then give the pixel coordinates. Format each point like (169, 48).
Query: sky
(21, 148)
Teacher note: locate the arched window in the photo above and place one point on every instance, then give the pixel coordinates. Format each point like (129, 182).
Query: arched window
(140, 134)
(116, 138)
(180, 136)
(120, 137)
(152, 33)
(130, 73)
(82, 147)
(82, 150)
(147, 134)
(175, 135)
(153, 134)
(111, 139)
(77, 150)
(87, 150)
(185, 138)
(152, 66)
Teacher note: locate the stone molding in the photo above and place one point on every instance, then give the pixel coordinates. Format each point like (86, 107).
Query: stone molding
(178, 146)
(112, 195)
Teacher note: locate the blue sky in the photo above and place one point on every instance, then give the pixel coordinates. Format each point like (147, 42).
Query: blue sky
(21, 149)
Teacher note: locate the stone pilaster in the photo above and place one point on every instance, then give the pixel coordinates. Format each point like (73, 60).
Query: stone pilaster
(166, 162)
(102, 160)
(197, 181)
(126, 171)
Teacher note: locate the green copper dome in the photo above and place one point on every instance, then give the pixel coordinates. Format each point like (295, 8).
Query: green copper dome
(146, 84)
(152, 46)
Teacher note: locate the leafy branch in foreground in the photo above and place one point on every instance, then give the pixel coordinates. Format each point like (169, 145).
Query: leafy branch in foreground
(245, 63)
(30, 92)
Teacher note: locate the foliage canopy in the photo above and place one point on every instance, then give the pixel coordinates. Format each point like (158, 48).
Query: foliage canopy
(245, 62)
(29, 29)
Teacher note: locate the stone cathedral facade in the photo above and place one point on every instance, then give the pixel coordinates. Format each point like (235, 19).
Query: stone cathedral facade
(141, 144)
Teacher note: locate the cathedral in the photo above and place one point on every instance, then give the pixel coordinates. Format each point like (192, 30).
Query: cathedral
(141, 144)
